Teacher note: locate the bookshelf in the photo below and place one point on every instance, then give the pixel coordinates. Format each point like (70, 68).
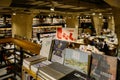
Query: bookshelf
(24, 48)
(44, 31)
(6, 32)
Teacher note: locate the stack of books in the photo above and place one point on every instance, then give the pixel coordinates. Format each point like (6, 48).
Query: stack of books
(36, 66)
(54, 71)
(27, 62)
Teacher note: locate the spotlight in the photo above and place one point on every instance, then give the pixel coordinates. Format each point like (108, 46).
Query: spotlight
(51, 9)
(14, 13)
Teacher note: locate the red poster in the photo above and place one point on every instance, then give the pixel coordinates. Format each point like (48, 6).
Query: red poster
(69, 34)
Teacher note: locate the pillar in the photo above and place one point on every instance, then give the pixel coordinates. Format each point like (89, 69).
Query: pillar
(72, 22)
(98, 23)
(111, 23)
(116, 13)
(22, 25)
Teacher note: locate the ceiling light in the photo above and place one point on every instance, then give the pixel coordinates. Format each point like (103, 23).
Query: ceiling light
(51, 9)
(14, 13)
(93, 13)
(100, 14)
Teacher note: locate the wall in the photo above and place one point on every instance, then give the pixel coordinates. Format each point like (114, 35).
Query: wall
(22, 25)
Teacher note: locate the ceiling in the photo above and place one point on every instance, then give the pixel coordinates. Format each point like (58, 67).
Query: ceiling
(76, 7)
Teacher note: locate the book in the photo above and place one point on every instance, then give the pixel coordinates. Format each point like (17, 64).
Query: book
(35, 67)
(103, 67)
(46, 46)
(61, 68)
(49, 73)
(55, 71)
(57, 51)
(34, 59)
(77, 60)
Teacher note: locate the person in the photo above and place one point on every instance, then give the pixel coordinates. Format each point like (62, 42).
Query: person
(106, 48)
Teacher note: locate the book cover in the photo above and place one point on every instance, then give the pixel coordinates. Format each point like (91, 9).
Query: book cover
(78, 60)
(103, 67)
(46, 45)
(57, 51)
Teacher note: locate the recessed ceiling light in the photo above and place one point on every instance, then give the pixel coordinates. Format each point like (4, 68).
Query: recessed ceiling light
(14, 13)
(93, 13)
(51, 9)
(100, 14)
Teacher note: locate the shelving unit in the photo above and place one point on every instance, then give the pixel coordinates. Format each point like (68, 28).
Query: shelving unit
(22, 47)
(5, 32)
(43, 31)
(7, 53)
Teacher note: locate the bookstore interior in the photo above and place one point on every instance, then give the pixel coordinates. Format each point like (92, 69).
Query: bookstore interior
(80, 44)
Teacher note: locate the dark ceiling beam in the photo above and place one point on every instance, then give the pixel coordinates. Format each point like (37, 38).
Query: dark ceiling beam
(113, 3)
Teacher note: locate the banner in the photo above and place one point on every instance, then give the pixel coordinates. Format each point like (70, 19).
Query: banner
(68, 34)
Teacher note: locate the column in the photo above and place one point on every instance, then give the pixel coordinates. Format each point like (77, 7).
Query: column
(116, 13)
(22, 25)
(111, 23)
(98, 23)
(72, 22)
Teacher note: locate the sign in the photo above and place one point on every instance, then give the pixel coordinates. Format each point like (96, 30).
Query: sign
(68, 34)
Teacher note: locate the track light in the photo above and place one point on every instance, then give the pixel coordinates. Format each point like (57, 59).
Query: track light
(14, 13)
(51, 9)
